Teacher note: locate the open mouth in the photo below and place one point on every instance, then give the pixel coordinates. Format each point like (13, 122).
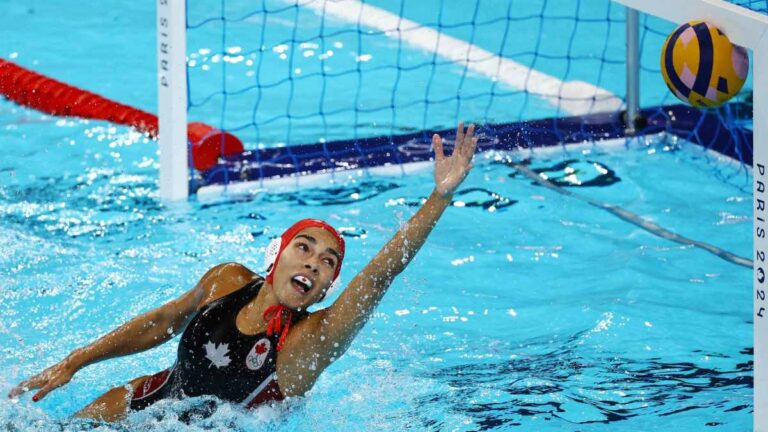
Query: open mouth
(301, 283)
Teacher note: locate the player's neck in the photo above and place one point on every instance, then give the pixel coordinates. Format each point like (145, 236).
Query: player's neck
(250, 318)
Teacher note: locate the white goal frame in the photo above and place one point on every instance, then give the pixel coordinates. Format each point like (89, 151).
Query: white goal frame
(748, 29)
(172, 99)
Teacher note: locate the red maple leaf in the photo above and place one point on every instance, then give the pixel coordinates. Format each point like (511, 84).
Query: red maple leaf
(261, 348)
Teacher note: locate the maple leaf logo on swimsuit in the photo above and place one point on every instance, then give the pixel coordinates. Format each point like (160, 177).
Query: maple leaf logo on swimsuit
(217, 354)
(260, 348)
(258, 354)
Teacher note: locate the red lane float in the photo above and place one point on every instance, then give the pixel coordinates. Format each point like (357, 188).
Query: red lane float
(33, 90)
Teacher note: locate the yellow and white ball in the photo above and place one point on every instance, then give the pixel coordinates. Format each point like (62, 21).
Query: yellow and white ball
(701, 66)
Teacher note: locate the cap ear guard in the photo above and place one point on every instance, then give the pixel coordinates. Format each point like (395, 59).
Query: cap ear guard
(334, 286)
(270, 255)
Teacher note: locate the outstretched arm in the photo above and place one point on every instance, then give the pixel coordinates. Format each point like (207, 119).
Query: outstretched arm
(344, 319)
(139, 334)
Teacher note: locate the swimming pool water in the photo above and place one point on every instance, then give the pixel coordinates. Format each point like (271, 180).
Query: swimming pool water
(525, 310)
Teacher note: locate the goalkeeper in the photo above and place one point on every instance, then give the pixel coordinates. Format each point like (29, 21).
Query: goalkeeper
(249, 339)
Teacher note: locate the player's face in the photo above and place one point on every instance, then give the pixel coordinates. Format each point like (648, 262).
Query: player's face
(306, 267)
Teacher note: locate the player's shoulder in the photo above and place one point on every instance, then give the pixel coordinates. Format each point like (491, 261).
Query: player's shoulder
(225, 278)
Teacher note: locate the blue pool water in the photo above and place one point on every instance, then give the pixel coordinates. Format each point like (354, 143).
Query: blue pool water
(546, 312)
(525, 310)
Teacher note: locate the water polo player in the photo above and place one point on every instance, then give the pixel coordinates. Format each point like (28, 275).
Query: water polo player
(248, 339)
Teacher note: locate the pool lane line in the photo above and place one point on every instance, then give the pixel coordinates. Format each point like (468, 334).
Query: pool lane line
(634, 219)
(573, 97)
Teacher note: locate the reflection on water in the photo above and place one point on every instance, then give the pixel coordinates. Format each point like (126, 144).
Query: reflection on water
(565, 382)
(575, 173)
(466, 197)
(326, 196)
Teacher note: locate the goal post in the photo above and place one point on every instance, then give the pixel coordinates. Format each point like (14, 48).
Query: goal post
(748, 29)
(172, 99)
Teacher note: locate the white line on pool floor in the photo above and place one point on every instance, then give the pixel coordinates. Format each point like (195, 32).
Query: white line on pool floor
(572, 97)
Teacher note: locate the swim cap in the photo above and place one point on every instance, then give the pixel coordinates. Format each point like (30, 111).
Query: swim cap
(277, 245)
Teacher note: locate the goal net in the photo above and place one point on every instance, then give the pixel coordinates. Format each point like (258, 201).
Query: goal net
(343, 88)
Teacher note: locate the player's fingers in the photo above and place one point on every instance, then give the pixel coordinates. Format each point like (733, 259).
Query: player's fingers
(470, 132)
(437, 144)
(471, 149)
(19, 389)
(466, 146)
(459, 136)
(26, 385)
(461, 146)
(46, 389)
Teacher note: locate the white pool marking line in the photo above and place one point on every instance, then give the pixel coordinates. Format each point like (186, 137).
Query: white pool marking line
(572, 97)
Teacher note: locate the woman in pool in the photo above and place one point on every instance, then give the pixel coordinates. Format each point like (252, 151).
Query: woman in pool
(250, 340)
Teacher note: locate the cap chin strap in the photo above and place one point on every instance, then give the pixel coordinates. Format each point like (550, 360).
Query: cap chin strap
(270, 256)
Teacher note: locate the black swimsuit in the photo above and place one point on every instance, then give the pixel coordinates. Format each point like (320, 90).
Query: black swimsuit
(215, 358)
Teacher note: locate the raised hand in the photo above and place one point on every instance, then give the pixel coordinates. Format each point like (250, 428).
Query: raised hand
(451, 171)
(47, 380)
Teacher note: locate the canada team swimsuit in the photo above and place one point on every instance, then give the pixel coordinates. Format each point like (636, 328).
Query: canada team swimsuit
(215, 358)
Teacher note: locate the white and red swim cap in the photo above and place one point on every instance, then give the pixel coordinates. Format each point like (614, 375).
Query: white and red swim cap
(277, 245)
